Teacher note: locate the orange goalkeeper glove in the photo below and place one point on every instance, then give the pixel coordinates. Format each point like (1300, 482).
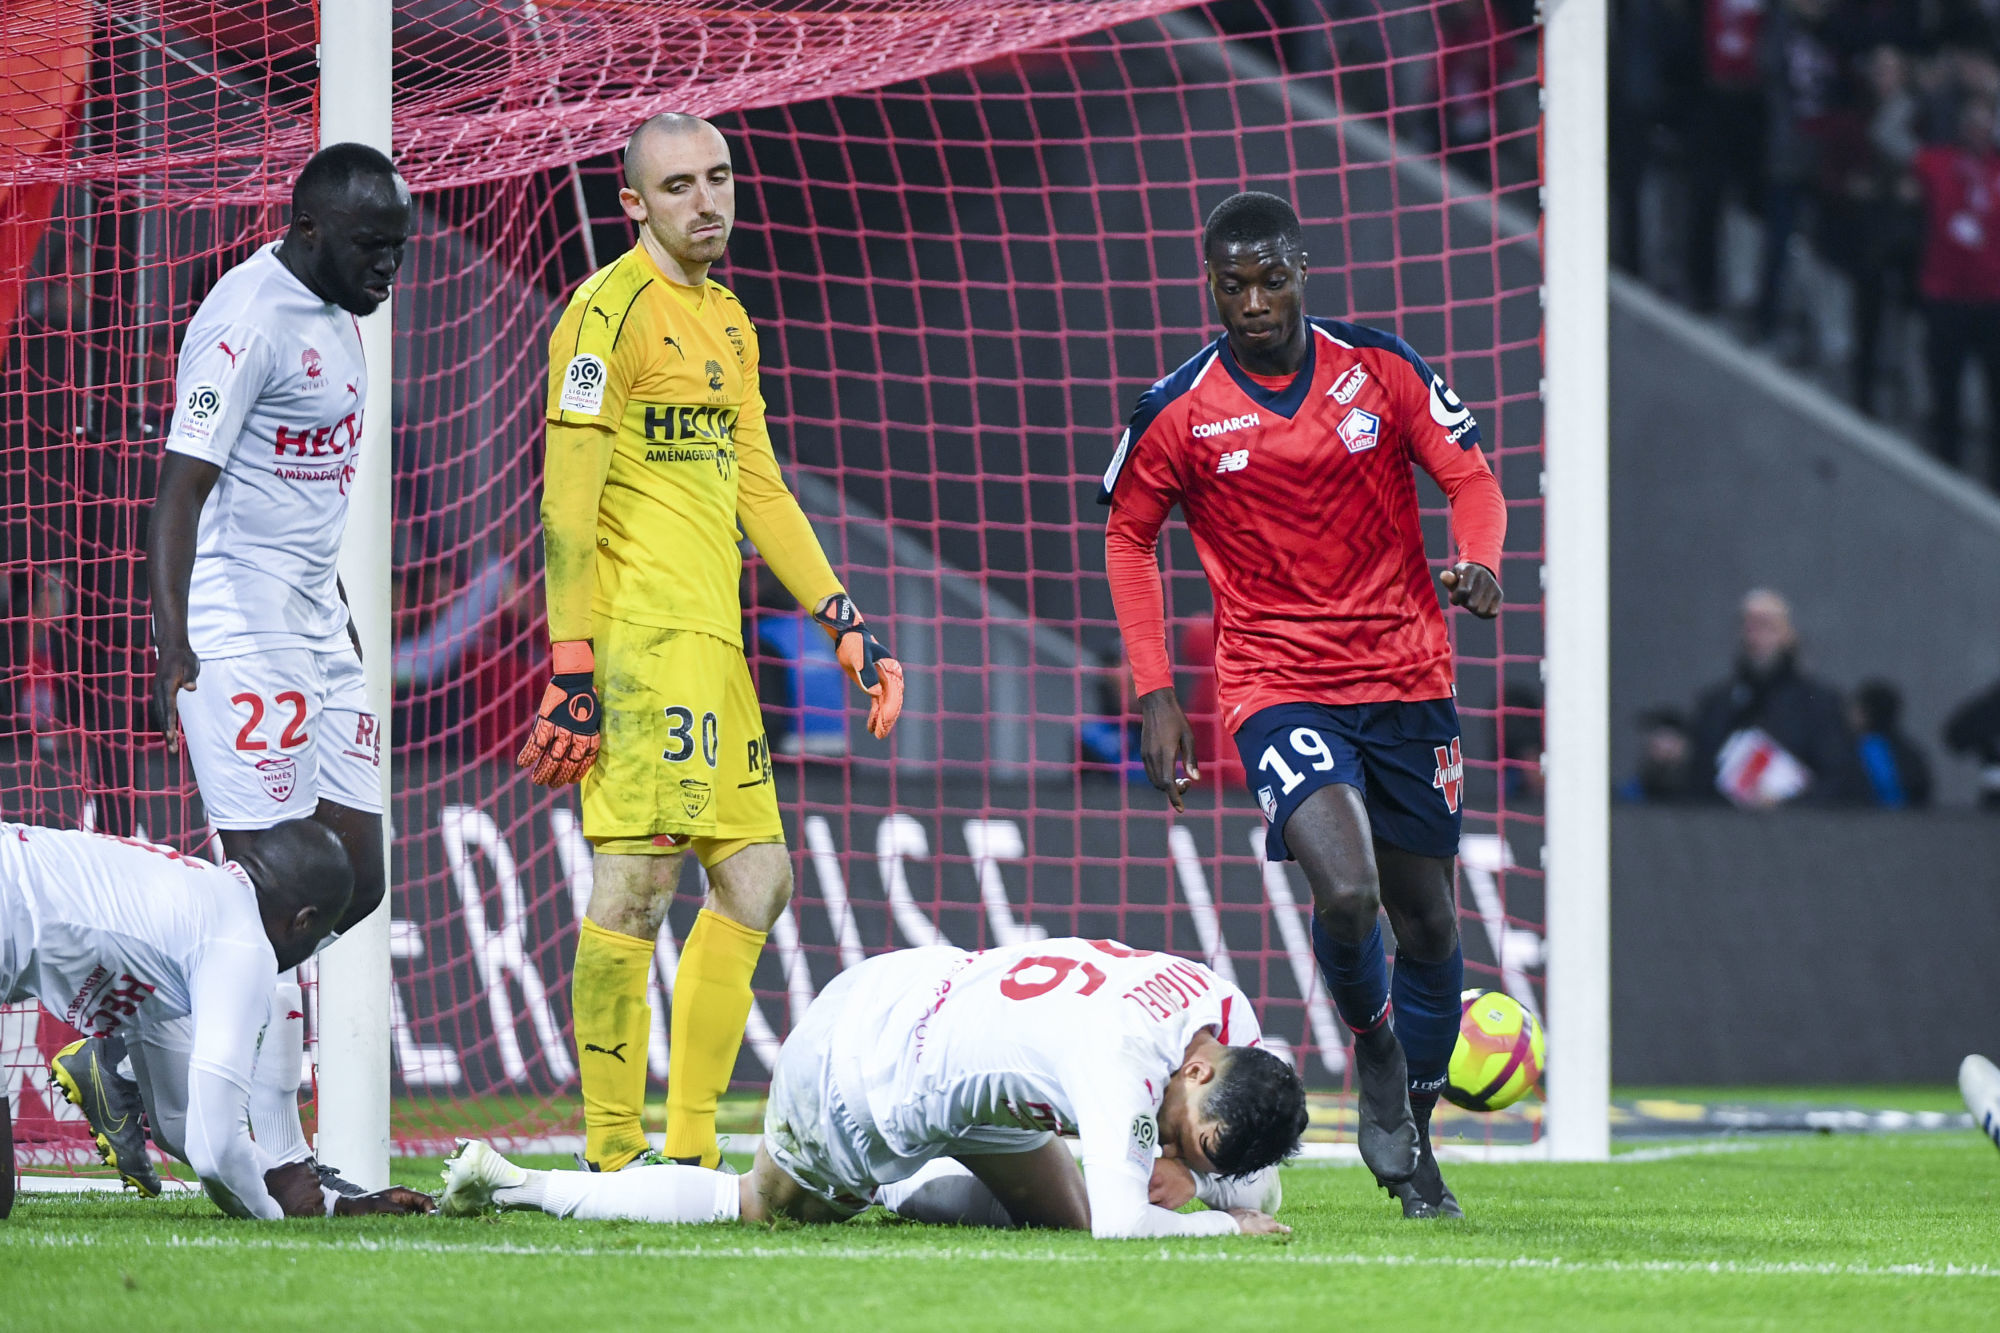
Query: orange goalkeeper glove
(563, 744)
(866, 662)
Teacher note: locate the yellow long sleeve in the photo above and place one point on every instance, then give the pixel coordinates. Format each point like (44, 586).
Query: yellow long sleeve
(573, 473)
(770, 513)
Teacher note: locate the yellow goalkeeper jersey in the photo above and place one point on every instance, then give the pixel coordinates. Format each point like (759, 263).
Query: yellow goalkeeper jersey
(671, 371)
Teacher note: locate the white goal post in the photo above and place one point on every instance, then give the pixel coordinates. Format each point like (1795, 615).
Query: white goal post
(1576, 579)
(355, 59)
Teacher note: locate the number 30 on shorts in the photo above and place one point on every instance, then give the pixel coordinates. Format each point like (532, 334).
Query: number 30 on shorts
(1309, 746)
(680, 737)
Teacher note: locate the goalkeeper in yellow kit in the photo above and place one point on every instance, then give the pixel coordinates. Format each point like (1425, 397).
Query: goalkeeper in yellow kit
(657, 452)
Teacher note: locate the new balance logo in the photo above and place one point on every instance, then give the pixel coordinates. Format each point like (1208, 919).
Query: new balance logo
(613, 1052)
(1233, 462)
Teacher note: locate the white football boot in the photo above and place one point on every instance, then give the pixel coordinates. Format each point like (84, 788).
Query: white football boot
(472, 1175)
(1979, 1084)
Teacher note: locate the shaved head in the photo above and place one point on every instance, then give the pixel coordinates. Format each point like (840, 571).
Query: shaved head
(658, 129)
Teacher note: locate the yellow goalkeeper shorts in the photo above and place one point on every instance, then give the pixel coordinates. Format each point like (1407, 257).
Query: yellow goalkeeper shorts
(684, 754)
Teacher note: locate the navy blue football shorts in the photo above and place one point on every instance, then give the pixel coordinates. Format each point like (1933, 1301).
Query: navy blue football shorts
(1404, 758)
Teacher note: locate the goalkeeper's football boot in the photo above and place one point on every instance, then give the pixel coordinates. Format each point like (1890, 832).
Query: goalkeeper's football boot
(1979, 1083)
(471, 1176)
(1387, 1133)
(645, 1157)
(87, 1073)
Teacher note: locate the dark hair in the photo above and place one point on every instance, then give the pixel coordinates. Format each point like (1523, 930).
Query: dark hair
(332, 169)
(1261, 1105)
(1881, 704)
(300, 863)
(1250, 217)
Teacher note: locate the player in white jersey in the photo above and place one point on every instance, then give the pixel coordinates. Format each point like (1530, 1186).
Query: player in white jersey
(257, 661)
(984, 1058)
(177, 956)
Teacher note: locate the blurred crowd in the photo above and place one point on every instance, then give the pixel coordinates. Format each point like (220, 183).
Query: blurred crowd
(1855, 140)
(1772, 734)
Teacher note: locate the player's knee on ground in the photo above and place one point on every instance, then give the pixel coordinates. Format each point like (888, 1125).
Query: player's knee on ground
(944, 1193)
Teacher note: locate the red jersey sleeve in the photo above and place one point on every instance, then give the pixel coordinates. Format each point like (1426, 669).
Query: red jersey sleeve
(1142, 486)
(1443, 440)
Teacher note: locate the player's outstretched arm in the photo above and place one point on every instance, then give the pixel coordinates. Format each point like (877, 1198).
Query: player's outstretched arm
(185, 482)
(563, 741)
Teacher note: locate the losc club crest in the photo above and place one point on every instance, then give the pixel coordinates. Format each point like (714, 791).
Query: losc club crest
(279, 775)
(1360, 429)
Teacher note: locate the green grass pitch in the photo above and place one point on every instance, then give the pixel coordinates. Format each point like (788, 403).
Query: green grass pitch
(1815, 1232)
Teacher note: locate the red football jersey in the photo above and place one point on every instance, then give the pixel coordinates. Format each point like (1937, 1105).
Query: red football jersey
(1303, 505)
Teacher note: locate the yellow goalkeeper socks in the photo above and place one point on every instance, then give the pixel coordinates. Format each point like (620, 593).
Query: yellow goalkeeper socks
(612, 1022)
(711, 1002)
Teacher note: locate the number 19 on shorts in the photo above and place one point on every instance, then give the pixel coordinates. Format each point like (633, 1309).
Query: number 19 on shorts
(1308, 746)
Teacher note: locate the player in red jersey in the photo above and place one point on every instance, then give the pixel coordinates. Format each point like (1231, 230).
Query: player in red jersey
(1288, 444)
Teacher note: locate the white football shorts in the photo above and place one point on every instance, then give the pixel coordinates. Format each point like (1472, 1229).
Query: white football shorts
(271, 734)
(810, 1130)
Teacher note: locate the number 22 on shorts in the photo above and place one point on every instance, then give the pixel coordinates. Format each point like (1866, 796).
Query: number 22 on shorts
(294, 734)
(1308, 745)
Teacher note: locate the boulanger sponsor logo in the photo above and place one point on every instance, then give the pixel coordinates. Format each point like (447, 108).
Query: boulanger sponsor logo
(1207, 429)
(1360, 429)
(1348, 385)
(1450, 413)
(583, 384)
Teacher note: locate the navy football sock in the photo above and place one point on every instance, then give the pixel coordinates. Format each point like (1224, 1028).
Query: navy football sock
(1427, 1014)
(1356, 976)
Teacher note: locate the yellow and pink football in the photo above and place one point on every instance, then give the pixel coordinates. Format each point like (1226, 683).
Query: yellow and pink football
(1499, 1053)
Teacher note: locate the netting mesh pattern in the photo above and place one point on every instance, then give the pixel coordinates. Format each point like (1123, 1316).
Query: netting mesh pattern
(967, 234)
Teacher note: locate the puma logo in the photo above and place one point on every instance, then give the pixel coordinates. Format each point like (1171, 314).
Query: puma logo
(598, 311)
(676, 346)
(613, 1052)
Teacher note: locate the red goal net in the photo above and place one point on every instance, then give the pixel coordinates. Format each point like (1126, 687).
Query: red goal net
(967, 234)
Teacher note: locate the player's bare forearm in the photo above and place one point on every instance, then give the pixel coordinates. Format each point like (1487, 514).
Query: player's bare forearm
(1164, 737)
(171, 529)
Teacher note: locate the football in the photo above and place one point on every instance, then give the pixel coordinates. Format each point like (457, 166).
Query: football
(1499, 1053)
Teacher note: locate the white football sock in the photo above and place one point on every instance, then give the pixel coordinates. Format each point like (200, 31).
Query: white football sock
(274, 1083)
(943, 1191)
(640, 1194)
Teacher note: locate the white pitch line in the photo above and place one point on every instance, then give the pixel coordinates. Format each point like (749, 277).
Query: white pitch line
(1110, 1252)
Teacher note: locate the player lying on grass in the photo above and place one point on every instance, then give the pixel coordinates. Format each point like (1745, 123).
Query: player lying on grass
(180, 957)
(983, 1058)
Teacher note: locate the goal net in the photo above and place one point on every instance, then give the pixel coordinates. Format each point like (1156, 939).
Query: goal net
(967, 234)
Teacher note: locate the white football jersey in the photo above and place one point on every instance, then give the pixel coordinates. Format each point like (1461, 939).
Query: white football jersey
(110, 933)
(1075, 1036)
(270, 389)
